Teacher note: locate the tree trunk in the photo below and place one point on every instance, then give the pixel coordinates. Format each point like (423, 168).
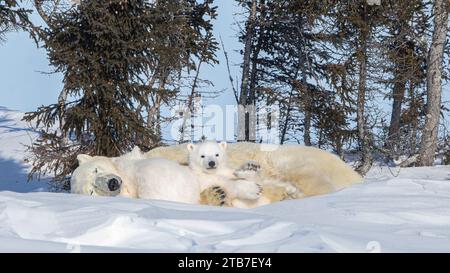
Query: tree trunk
(287, 118)
(414, 120)
(307, 113)
(154, 111)
(255, 55)
(307, 128)
(398, 91)
(243, 116)
(188, 111)
(363, 134)
(398, 94)
(251, 98)
(307, 99)
(434, 80)
(62, 99)
(338, 146)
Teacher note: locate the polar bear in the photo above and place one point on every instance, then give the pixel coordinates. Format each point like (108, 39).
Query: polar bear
(208, 161)
(310, 170)
(136, 176)
(133, 176)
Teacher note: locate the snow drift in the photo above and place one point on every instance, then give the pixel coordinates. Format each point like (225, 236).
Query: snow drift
(404, 210)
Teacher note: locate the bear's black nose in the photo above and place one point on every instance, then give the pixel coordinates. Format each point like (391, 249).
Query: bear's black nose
(113, 184)
(212, 164)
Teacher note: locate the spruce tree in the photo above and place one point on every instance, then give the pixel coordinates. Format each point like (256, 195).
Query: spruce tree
(404, 52)
(115, 56)
(13, 17)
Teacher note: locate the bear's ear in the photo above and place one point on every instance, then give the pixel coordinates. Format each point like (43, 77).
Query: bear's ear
(82, 158)
(191, 147)
(223, 145)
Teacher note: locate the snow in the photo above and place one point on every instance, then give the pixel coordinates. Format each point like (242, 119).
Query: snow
(14, 134)
(405, 210)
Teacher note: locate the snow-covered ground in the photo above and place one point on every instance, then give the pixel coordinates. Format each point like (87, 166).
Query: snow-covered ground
(14, 134)
(406, 210)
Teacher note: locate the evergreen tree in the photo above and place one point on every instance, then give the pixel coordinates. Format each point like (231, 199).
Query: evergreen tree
(405, 49)
(355, 23)
(288, 60)
(118, 59)
(12, 17)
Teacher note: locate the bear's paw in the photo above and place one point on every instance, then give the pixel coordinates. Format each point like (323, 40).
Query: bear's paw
(213, 196)
(249, 170)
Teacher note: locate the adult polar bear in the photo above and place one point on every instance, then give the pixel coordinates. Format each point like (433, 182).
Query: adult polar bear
(128, 176)
(312, 171)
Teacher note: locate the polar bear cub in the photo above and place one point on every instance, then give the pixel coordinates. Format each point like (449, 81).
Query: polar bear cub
(208, 162)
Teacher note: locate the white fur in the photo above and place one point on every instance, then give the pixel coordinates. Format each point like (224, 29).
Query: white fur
(145, 178)
(159, 178)
(208, 161)
(310, 170)
(300, 171)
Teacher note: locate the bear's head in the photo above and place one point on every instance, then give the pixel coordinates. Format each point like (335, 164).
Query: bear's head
(95, 175)
(207, 156)
(102, 176)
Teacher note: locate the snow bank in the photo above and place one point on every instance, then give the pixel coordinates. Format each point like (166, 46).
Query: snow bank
(14, 135)
(407, 210)
(408, 213)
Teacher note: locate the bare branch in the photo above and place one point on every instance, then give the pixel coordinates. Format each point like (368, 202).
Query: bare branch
(235, 92)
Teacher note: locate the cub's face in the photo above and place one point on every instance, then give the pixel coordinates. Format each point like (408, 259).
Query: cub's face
(95, 176)
(207, 156)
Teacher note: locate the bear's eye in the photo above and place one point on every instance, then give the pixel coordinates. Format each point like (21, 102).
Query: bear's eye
(202, 156)
(217, 155)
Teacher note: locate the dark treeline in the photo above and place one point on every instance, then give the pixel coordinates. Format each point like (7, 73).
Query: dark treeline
(327, 64)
